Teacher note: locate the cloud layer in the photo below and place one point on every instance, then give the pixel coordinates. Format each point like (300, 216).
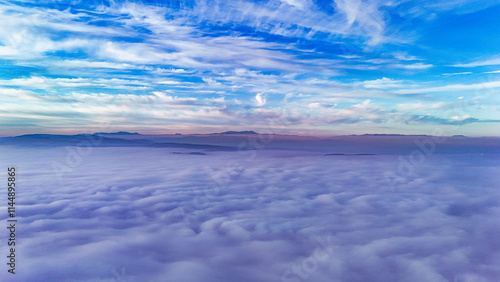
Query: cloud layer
(145, 214)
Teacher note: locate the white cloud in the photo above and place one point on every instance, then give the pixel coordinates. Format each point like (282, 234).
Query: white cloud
(480, 63)
(403, 56)
(350, 56)
(169, 82)
(39, 82)
(17, 95)
(29, 33)
(452, 87)
(421, 106)
(384, 83)
(299, 4)
(93, 64)
(459, 118)
(364, 14)
(6, 51)
(415, 66)
(497, 71)
(458, 73)
(260, 99)
(320, 105)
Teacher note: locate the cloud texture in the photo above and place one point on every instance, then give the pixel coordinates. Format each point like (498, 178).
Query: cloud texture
(145, 214)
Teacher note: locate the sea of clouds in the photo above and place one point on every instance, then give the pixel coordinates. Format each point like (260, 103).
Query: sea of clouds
(146, 214)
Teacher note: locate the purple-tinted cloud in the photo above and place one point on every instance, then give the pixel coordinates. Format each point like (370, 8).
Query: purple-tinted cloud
(145, 214)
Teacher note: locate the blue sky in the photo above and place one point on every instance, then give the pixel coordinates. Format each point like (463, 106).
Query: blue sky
(291, 66)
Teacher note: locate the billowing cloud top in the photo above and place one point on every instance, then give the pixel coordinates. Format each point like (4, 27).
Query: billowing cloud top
(168, 214)
(320, 66)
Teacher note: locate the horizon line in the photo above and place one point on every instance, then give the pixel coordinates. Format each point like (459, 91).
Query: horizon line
(251, 132)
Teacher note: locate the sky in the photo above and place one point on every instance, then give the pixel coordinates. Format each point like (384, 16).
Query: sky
(308, 67)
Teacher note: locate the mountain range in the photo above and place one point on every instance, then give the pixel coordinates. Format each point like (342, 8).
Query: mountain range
(367, 144)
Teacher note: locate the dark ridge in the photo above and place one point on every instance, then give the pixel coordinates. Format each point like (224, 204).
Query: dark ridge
(190, 153)
(97, 140)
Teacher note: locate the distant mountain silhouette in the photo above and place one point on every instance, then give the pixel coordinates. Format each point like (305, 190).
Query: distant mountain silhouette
(190, 153)
(348, 145)
(98, 140)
